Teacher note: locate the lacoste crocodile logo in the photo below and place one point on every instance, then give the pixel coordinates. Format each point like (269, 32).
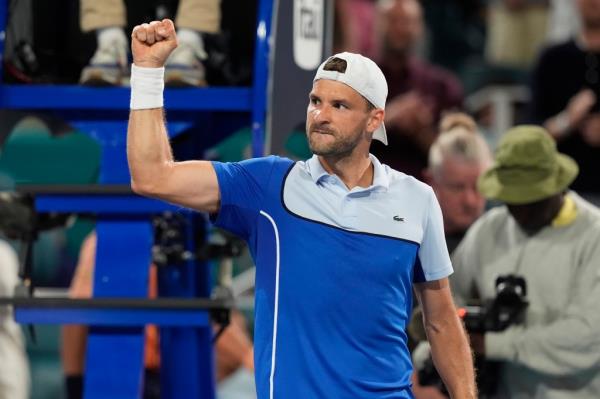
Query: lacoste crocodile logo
(398, 219)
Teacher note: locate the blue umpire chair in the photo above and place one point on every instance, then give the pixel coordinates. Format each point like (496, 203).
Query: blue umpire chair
(119, 310)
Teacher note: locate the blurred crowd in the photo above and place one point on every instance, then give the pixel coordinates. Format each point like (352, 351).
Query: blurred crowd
(504, 62)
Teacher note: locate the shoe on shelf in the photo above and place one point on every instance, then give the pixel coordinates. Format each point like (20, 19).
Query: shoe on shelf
(184, 67)
(108, 66)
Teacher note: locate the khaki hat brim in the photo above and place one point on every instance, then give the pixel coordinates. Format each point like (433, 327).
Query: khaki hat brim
(490, 186)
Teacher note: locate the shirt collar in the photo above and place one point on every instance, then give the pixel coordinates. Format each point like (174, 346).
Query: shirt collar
(314, 168)
(380, 176)
(567, 213)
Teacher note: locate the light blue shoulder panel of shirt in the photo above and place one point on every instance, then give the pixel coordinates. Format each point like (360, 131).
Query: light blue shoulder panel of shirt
(395, 205)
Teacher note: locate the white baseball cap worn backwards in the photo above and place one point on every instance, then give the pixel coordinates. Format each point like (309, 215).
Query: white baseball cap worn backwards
(365, 77)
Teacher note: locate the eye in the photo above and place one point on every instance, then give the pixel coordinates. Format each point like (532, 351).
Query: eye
(315, 101)
(340, 105)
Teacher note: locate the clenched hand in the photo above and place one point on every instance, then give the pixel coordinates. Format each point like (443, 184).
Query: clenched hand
(151, 44)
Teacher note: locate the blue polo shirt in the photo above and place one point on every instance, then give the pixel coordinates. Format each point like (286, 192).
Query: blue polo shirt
(334, 274)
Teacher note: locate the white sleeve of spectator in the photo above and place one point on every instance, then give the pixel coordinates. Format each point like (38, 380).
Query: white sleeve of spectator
(10, 266)
(464, 259)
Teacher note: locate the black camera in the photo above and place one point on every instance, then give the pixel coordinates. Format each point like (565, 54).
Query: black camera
(507, 307)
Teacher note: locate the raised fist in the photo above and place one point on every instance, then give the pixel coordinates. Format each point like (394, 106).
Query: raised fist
(151, 44)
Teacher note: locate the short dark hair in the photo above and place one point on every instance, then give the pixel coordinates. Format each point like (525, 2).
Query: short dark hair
(339, 65)
(335, 64)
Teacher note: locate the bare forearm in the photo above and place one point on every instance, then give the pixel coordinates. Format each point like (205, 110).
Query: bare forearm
(148, 149)
(452, 357)
(448, 340)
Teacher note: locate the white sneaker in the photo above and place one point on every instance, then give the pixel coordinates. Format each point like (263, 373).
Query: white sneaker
(108, 66)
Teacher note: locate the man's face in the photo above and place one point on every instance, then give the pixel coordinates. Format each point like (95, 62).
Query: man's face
(532, 217)
(590, 13)
(336, 119)
(455, 186)
(403, 23)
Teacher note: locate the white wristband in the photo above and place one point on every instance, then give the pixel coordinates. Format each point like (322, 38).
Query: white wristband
(147, 85)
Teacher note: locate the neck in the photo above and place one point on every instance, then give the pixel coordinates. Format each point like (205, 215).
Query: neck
(547, 210)
(591, 38)
(353, 170)
(555, 207)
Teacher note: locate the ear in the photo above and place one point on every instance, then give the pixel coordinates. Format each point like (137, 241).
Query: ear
(375, 119)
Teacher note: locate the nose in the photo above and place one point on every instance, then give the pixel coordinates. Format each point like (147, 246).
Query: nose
(471, 197)
(321, 114)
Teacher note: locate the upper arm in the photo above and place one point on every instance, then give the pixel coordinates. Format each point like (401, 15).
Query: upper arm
(192, 184)
(234, 191)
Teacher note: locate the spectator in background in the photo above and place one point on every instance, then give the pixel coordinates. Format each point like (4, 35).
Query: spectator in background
(456, 160)
(355, 27)
(110, 64)
(565, 91)
(418, 91)
(14, 368)
(548, 236)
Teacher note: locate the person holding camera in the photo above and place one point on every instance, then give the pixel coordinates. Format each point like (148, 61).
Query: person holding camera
(546, 237)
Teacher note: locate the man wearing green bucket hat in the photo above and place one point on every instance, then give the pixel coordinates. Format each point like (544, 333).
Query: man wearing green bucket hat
(549, 237)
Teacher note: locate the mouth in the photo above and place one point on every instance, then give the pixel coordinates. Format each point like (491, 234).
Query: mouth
(322, 131)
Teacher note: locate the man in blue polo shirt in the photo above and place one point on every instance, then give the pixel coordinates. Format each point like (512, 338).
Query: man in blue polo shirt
(338, 240)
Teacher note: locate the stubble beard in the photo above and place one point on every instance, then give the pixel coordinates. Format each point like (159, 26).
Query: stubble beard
(340, 147)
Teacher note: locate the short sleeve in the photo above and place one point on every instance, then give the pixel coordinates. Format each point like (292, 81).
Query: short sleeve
(433, 261)
(242, 186)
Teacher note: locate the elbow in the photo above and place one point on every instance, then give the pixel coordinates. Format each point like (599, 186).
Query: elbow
(442, 326)
(143, 189)
(138, 188)
(441, 320)
(149, 183)
(433, 329)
